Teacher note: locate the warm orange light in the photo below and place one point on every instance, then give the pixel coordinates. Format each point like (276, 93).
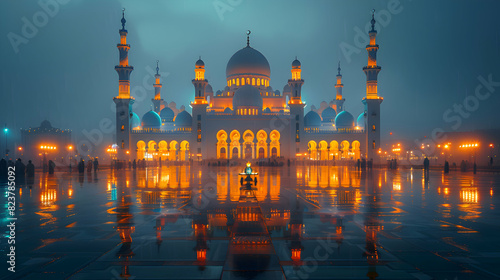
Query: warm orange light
(439, 146)
(491, 145)
(20, 148)
(70, 147)
(127, 152)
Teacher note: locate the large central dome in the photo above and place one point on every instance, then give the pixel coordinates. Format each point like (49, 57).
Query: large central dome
(248, 61)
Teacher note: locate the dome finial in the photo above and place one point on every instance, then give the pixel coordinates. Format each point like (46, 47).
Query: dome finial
(123, 19)
(373, 20)
(339, 68)
(157, 68)
(248, 37)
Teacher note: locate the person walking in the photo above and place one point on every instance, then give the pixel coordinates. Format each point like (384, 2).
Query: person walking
(81, 166)
(30, 173)
(96, 165)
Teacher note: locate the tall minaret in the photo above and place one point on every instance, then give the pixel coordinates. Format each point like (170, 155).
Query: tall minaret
(123, 101)
(339, 100)
(199, 109)
(372, 101)
(157, 100)
(297, 106)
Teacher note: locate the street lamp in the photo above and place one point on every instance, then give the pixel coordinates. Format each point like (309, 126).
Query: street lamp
(6, 131)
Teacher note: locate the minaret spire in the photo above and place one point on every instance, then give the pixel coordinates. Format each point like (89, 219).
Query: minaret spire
(158, 103)
(339, 99)
(373, 21)
(123, 19)
(248, 37)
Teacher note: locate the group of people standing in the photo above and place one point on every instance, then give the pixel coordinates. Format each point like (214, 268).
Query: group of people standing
(90, 164)
(23, 174)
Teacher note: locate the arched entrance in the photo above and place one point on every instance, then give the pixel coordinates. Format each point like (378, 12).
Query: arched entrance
(313, 152)
(235, 153)
(222, 153)
(262, 153)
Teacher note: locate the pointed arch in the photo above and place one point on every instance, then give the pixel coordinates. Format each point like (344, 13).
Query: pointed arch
(313, 152)
(261, 144)
(174, 145)
(323, 147)
(334, 150)
(248, 145)
(344, 147)
(141, 149)
(184, 151)
(222, 144)
(275, 145)
(235, 144)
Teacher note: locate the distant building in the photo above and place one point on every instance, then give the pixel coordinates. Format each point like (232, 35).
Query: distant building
(45, 140)
(248, 119)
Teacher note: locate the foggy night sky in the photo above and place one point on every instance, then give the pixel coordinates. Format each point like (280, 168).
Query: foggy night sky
(431, 54)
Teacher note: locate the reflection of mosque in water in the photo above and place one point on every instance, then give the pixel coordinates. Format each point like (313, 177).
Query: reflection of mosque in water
(212, 201)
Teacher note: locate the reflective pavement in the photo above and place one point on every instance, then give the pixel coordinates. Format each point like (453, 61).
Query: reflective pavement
(304, 222)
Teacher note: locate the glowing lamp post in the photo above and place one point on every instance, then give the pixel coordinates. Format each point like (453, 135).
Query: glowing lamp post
(6, 131)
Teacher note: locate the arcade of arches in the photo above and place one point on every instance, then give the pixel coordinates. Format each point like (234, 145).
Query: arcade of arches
(163, 150)
(248, 145)
(334, 151)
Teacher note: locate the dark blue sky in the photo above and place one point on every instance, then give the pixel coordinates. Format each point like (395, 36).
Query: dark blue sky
(431, 53)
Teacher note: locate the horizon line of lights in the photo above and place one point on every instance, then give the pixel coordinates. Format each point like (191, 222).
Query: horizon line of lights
(469, 145)
(44, 147)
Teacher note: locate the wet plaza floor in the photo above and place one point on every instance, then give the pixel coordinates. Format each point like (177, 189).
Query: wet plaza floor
(303, 222)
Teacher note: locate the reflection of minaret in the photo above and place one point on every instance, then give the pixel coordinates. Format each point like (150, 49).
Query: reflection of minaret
(123, 101)
(200, 225)
(339, 99)
(158, 102)
(125, 226)
(296, 228)
(372, 226)
(372, 101)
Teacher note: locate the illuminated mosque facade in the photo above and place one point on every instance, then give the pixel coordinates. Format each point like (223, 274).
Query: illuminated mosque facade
(248, 119)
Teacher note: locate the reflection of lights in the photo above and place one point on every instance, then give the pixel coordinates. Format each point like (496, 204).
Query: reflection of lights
(491, 192)
(468, 195)
(70, 193)
(396, 186)
(446, 191)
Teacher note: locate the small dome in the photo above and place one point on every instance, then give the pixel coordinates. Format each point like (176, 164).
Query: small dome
(267, 110)
(151, 120)
(361, 120)
(312, 119)
(296, 63)
(287, 88)
(183, 119)
(228, 110)
(344, 120)
(328, 115)
(167, 115)
(200, 63)
(208, 89)
(247, 95)
(135, 121)
(46, 124)
(248, 61)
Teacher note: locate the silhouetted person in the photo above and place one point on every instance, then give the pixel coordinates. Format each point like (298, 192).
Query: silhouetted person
(463, 167)
(134, 164)
(358, 164)
(20, 170)
(426, 168)
(475, 168)
(81, 166)
(491, 161)
(52, 166)
(363, 163)
(446, 167)
(96, 165)
(30, 173)
(3, 170)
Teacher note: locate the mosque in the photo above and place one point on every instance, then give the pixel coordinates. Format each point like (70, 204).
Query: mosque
(248, 119)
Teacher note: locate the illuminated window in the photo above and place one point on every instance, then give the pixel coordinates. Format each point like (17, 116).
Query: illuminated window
(245, 112)
(253, 81)
(123, 128)
(242, 81)
(373, 127)
(258, 82)
(373, 144)
(123, 144)
(233, 82)
(237, 82)
(248, 81)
